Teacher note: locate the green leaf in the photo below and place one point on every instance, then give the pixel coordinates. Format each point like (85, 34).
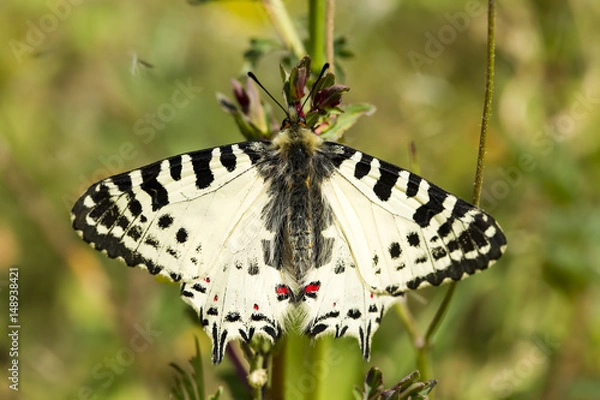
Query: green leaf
(258, 49)
(335, 129)
(373, 384)
(190, 386)
(217, 394)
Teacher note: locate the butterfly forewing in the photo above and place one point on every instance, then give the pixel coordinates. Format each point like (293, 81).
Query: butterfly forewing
(195, 218)
(405, 232)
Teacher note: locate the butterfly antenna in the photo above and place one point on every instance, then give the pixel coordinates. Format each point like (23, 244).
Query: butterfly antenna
(312, 89)
(255, 79)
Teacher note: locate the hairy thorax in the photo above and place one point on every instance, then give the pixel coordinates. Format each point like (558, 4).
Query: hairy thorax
(299, 191)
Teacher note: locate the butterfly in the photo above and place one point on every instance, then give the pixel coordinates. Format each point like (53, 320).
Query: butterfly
(261, 233)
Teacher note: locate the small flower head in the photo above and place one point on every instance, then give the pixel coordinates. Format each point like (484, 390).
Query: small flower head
(324, 116)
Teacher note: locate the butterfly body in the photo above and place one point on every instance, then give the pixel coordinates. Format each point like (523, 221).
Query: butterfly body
(259, 234)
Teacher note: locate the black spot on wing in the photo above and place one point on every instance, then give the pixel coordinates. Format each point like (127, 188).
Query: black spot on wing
(465, 242)
(412, 186)
(181, 235)
(123, 222)
(175, 167)
(331, 314)
(316, 329)
(387, 180)
(253, 268)
(122, 182)
(111, 215)
(165, 221)
(446, 228)
(433, 207)
(228, 159)
(340, 332)
(461, 208)
(173, 253)
(201, 165)
(232, 317)
(152, 241)
(395, 250)
(421, 260)
(438, 252)
(413, 239)
(135, 207)
(375, 259)
(151, 185)
(135, 232)
(212, 311)
(354, 313)
(392, 289)
(363, 167)
(102, 200)
(339, 267)
(199, 288)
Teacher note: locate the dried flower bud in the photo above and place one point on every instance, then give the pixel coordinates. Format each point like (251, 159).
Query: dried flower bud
(240, 95)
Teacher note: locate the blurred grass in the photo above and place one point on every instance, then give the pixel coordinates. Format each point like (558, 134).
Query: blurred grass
(528, 328)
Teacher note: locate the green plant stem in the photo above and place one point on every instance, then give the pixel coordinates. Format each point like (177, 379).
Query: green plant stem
(316, 28)
(329, 34)
(439, 315)
(257, 363)
(284, 26)
(423, 359)
(487, 103)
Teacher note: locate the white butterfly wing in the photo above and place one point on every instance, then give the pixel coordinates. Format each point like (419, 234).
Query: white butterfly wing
(403, 231)
(195, 219)
(337, 302)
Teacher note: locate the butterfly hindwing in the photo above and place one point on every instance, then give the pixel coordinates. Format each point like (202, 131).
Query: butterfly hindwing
(403, 231)
(195, 219)
(337, 302)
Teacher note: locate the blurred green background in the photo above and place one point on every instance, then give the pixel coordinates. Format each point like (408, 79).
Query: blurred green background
(75, 103)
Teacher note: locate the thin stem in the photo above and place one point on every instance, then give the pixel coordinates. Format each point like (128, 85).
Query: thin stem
(284, 26)
(439, 315)
(257, 363)
(408, 321)
(487, 104)
(329, 31)
(316, 28)
(240, 370)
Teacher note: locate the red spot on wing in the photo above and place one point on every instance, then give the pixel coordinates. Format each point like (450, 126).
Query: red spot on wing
(215, 298)
(372, 295)
(256, 307)
(282, 290)
(207, 279)
(312, 287)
